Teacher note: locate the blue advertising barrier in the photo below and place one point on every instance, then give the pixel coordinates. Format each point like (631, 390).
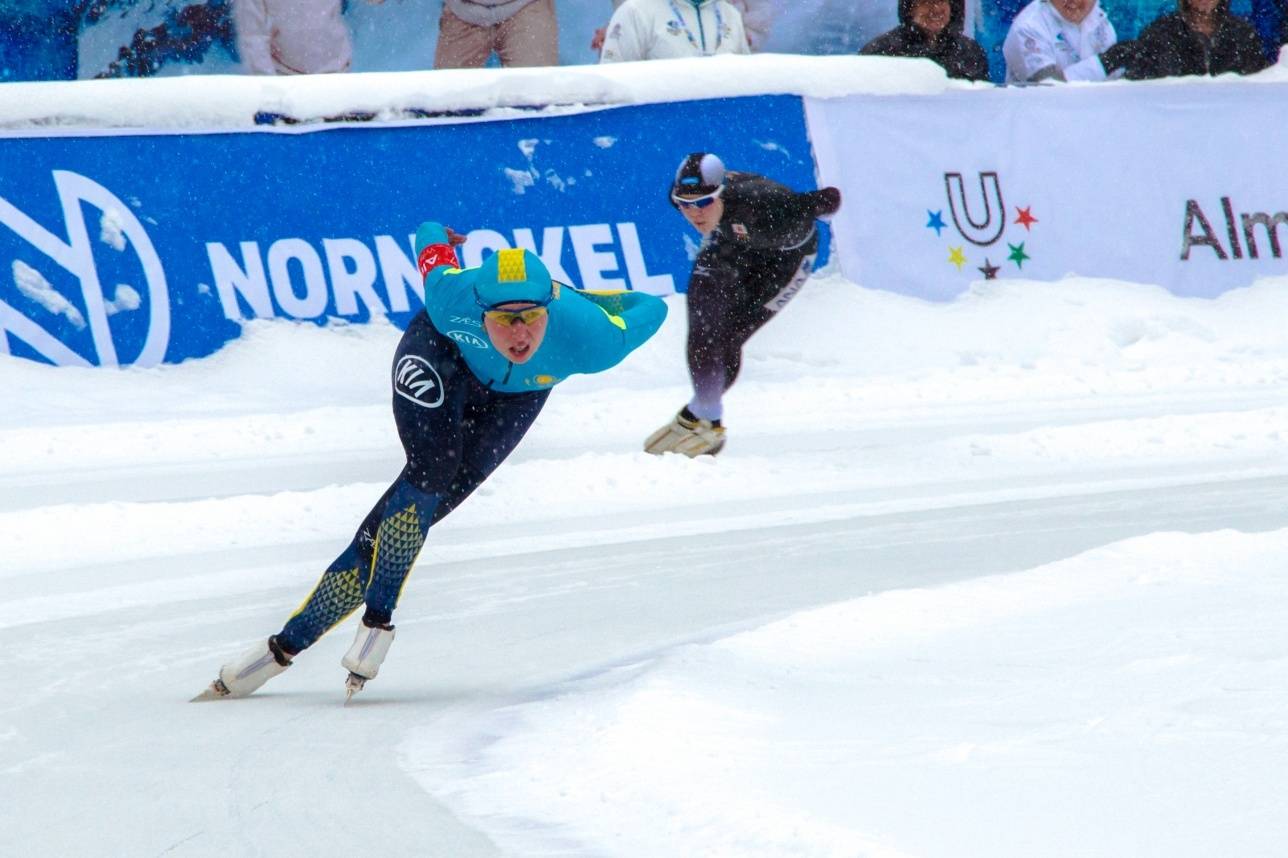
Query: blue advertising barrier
(150, 248)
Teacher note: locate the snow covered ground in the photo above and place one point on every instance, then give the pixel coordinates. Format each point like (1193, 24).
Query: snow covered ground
(1000, 577)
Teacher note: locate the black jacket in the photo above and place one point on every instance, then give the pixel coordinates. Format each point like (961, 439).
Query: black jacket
(959, 55)
(1168, 47)
(763, 216)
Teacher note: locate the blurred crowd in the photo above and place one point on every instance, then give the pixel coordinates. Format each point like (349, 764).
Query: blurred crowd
(1047, 40)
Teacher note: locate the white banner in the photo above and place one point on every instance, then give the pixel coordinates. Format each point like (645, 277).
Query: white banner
(1183, 185)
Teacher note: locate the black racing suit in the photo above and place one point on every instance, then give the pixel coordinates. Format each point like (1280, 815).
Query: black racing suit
(749, 267)
(452, 445)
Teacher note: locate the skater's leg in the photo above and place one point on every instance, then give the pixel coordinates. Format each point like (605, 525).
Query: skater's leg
(399, 537)
(712, 304)
(432, 436)
(340, 590)
(762, 294)
(400, 534)
(382, 552)
(490, 427)
(378, 555)
(727, 302)
(494, 426)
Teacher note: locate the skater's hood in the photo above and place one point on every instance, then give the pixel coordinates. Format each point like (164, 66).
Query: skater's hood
(513, 276)
(699, 174)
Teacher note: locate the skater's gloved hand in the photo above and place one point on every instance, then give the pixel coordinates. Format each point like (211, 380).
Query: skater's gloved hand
(436, 246)
(825, 201)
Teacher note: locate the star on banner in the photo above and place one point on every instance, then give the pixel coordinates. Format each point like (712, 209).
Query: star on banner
(1025, 217)
(989, 270)
(936, 221)
(956, 257)
(1017, 254)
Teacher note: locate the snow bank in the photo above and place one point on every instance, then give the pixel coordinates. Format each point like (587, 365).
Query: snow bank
(221, 101)
(1123, 702)
(206, 102)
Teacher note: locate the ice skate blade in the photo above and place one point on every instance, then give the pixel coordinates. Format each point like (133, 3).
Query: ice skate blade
(352, 685)
(215, 691)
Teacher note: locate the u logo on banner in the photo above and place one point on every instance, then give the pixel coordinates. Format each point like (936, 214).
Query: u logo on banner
(983, 232)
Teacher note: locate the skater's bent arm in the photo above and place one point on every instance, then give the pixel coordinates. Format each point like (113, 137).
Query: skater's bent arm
(636, 314)
(612, 324)
(439, 265)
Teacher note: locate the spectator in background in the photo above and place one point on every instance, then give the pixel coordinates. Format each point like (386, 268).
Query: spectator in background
(292, 36)
(757, 21)
(933, 29)
(1062, 40)
(1201, 37)
(670, 29)
(519, 32)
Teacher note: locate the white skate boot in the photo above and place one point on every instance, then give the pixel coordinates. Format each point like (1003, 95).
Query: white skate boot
(691, 436)
(363, 660)
(241, 677)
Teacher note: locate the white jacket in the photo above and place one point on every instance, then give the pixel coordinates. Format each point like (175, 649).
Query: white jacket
(292, 36)
(670, 29)
(1039, 37)
(484, 13)
(757, 19)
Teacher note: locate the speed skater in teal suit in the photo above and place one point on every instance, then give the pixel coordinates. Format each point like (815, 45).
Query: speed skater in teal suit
(469, 377)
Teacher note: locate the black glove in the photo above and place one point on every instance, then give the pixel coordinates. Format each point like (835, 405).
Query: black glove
(825, 201)
(1119, 55)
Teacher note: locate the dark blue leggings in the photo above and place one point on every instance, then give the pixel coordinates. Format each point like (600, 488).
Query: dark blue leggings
(455, 433)
(729, 299)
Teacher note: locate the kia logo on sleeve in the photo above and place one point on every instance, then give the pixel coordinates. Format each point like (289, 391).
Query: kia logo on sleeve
(467, 338)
